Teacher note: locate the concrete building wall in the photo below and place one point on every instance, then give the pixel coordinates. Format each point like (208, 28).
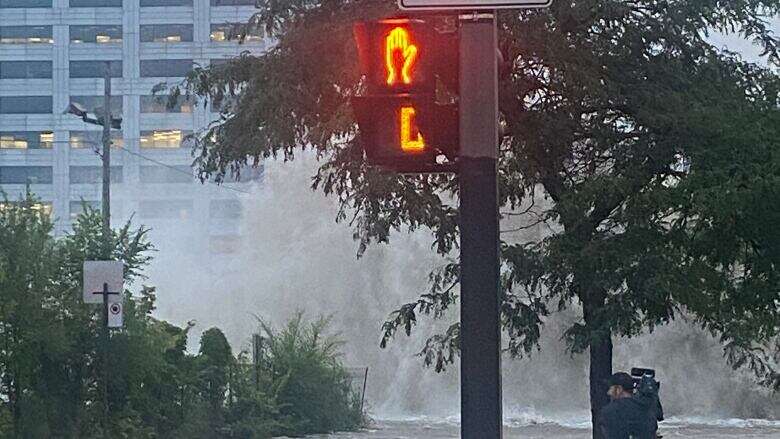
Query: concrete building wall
(134, 194)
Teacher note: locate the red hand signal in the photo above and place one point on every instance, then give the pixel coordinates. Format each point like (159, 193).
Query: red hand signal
(398, 40)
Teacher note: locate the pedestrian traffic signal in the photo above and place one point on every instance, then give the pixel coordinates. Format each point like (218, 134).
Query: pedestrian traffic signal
(407, 133)
(408, 116)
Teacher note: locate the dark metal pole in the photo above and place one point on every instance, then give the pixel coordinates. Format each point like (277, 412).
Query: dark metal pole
(106, 201)
(106, 210)
(480, 332)
(104, 366)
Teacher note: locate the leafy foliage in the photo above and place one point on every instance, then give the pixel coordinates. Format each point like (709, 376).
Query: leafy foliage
(52, 367)
(647, 154)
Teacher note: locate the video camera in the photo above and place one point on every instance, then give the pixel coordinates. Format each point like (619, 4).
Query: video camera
(637, 373)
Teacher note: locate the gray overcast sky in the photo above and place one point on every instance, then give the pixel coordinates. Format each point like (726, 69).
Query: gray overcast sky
(737, 44)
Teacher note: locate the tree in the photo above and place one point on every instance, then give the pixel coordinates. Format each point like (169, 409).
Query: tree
(645, 151)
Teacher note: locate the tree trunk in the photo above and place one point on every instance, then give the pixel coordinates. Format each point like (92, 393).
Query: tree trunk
(600, 339)
(600, 370)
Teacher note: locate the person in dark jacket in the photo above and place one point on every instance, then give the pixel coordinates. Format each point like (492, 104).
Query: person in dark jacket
(629, 415)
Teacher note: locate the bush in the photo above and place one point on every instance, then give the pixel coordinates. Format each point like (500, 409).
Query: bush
(311, 385)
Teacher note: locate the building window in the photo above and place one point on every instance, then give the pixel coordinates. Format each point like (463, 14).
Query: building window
(236, 31)
(94, 139)
(233, 2)
(25, 175)
(165, 209)
(45, 208)
(161, 104)
(224, 244)
(26, 140)
(164, 138)
(25, 4)
(151, 68)
(165, 174)
(25, 70)
(166, 33)
(25, 105)
(94, 104)
(94, 69)
(248, 173)
(94, 3)
(166, 2)
(26, 35)
(93, 174)
(96, 34)
(78, 207)
(225, 209)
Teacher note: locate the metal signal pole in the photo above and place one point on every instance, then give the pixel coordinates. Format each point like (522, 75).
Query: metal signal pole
(480, 330)
(106, 210)
(106, 200)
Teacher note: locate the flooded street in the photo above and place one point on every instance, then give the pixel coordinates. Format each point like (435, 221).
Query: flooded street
(672, 429)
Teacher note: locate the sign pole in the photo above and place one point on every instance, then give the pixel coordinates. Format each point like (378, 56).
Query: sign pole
(480, 330)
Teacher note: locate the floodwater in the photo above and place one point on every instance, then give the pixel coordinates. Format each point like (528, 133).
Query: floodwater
(441, 429)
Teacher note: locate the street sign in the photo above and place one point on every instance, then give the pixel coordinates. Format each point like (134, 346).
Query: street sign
(115, 315)
(471, 5)
(98, 273)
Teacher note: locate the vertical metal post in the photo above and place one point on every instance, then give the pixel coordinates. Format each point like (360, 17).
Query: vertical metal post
(480, 332)
(106, 210)
(104, 366)
(106, 200)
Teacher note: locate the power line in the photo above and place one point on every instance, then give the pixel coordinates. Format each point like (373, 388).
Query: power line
(173, 168)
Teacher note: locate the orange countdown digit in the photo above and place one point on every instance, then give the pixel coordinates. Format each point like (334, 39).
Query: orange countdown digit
(398, 40)
(409, 142)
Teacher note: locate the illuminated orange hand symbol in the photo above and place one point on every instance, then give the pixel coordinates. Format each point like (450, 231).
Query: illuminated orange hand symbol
(398, 40)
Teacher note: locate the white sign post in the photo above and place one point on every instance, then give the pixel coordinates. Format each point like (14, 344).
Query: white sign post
(471, 5)
(100, 275)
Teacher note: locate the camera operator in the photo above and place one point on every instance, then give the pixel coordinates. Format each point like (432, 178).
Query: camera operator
(630, 415)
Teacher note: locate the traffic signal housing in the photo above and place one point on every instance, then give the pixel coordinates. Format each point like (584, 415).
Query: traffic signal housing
(408, 116)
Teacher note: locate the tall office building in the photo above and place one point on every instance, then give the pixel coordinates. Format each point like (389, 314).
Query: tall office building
(53, 52)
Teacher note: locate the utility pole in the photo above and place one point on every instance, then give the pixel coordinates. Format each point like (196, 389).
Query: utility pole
(106, 200)
(106, 210)
(480, 330)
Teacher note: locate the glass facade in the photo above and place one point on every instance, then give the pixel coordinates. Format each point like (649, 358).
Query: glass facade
(165, 209)
(94, 104)
(95, 3)
(233, 2)
(94, 69)
(165, 174)
(25, 69)
(93, 174)
(25, 4)
(54, 52)
(76, 208)
(25, 175)
(160, 104)
(166, 2)
(151, 68)
(101, 34)
(26, 140)
(26, 35)
(163, 138)
(233, 32)
(166, 33)
(225, 209)
(25, 105)
(94, 139)
(44, 207)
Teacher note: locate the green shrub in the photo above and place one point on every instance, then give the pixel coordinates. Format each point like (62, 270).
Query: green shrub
(311, 385)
